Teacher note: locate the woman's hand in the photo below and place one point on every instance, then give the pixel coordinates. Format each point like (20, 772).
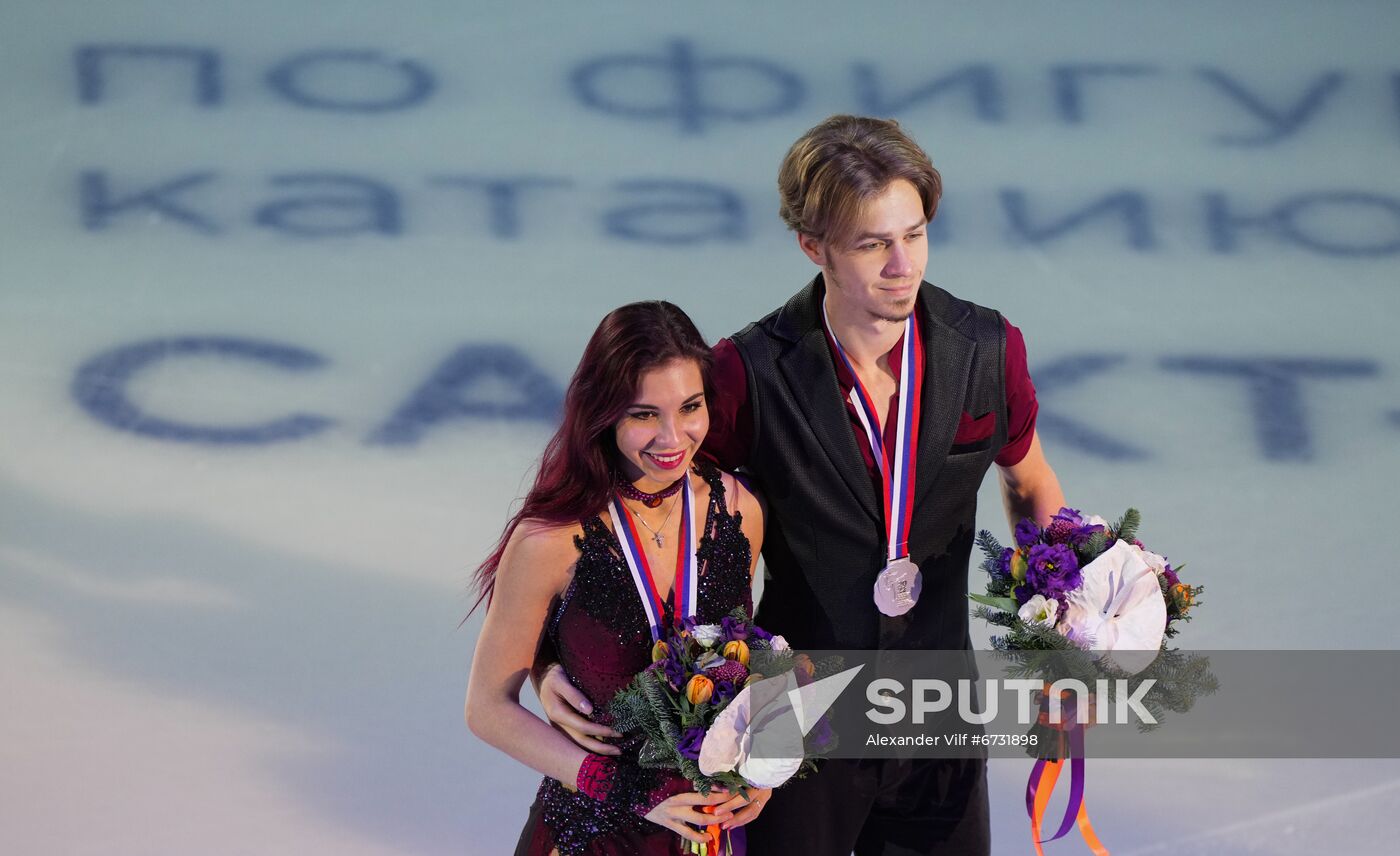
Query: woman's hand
(681, 813)
(745, 808)
(567, 709)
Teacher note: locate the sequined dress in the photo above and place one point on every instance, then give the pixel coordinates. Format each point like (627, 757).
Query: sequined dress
(601, 638)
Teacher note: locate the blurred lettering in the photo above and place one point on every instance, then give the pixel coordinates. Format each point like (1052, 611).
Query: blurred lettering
(1298, 220)
(502, 197)
(680, 213)
(1068, 82)
(100, 388)
(1127, 207)
(336, 205)
(317, 80)
(1279, 122)
(100, 205)
(447, 394)
(1274, 386)
(679, 86)
(94, 64)
(1068, 371)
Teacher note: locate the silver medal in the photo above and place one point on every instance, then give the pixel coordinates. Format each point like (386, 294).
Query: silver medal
(897, 587)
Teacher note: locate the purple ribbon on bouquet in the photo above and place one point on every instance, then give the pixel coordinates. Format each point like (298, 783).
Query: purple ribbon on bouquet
(1042, 783)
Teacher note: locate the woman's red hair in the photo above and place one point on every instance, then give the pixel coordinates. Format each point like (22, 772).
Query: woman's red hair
(575, 475)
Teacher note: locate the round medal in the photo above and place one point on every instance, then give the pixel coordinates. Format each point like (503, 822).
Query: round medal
(897, 587)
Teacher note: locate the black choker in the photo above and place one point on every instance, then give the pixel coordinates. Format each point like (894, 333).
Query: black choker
(650, 500)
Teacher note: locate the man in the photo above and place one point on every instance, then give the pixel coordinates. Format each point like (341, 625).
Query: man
(870, 455)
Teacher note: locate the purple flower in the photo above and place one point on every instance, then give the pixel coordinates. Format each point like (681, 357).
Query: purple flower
(734, 628)
(724, 691)
(1027, 533)
(759, 633)
(1069, 527)
(1053, 570)
(1170, 573)
(674, 670)
(691, 740)
(820, 738)
(1062, 526)
(1004, 563)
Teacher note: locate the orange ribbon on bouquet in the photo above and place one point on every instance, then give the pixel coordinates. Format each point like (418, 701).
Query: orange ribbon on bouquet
(718, 843)
(1042, 784)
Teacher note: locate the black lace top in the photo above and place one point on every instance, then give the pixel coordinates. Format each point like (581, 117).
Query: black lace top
(601, 637)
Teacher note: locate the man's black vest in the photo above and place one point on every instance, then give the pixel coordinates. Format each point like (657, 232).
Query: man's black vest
(825, 534)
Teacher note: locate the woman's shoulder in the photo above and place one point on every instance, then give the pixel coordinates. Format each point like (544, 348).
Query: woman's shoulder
(735, 486)
(739, 495)
(544, 543)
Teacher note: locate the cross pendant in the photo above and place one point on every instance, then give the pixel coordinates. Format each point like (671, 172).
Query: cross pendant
(660, 541)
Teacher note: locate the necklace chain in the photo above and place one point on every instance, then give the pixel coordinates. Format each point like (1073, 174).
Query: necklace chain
(656, 534)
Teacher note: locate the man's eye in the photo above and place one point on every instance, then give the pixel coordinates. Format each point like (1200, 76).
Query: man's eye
(914, 236)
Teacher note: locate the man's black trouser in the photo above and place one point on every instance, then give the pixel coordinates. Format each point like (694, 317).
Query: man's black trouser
(879, 807)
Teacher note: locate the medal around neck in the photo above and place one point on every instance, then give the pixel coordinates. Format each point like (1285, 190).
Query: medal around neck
(686, 587)
(897, 587)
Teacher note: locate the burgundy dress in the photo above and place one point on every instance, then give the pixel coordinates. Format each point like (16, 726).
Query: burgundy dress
(600, 635)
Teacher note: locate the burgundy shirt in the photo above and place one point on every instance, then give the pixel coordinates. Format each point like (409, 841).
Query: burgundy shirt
(731, 416)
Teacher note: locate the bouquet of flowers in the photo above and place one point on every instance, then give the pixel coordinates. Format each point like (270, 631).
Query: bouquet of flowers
(695, 706)
(1084, 599)
(1082, 584)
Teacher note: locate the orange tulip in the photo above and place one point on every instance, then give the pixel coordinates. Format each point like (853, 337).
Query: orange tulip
(737, 650)
(699, 690)
(805, 664)
(660, 651)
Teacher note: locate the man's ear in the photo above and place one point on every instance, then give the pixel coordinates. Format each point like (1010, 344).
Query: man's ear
(813, 247)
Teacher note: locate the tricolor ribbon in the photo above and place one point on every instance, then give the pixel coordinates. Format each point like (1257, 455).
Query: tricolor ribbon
(896, 464)
(1042, 784)
(686, 584)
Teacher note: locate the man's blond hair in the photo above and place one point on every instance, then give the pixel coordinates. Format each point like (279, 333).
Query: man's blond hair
(834, 169)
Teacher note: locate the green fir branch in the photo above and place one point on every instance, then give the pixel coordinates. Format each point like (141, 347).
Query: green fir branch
(1093, 548)
(991, 547)
(995, 616)
(1127, 526)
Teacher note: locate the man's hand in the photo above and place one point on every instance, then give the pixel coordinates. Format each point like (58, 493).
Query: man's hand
(745, 808)
(568, 709)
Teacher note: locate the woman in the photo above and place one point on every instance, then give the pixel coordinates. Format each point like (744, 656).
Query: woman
(635, 415)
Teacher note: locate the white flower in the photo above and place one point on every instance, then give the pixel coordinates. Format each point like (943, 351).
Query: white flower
(707, 634)
(729, 742)
(1095, 520)
(722, 747)
(1118, 608)
(778, 643)
(1157, 563)
(1039, 610)
(709, 660)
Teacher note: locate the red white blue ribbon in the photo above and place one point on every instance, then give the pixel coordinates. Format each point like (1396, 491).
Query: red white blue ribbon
(896, 469)
(686, 583)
